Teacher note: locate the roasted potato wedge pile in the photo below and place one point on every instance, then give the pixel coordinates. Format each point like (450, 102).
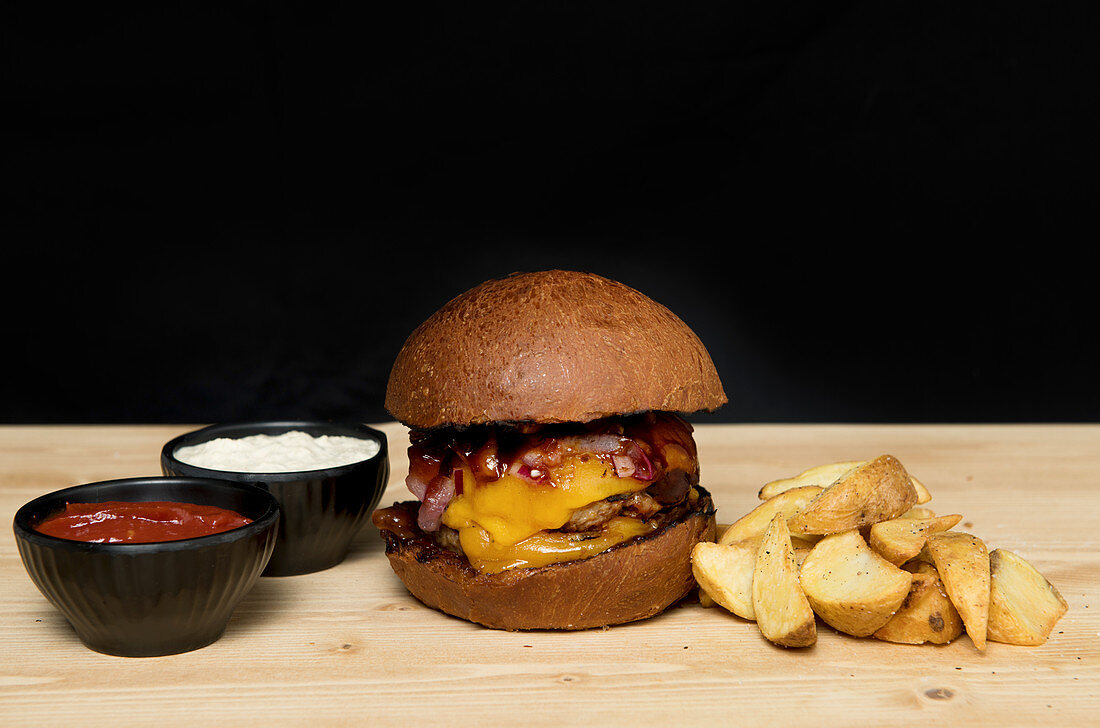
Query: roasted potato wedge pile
(852, 544)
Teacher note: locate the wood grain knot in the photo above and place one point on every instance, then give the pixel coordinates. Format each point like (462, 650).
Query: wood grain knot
(939, 693)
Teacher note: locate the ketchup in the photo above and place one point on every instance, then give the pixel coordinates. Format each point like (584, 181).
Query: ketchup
(148, 522)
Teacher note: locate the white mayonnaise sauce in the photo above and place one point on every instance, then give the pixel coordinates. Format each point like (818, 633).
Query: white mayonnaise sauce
(288, 452)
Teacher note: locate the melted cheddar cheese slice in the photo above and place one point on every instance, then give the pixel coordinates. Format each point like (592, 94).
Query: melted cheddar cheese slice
(509, 522)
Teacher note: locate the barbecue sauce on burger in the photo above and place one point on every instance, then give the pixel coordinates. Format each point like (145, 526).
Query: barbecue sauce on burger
(527, 495)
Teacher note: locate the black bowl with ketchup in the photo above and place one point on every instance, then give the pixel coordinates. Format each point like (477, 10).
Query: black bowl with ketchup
(152, 566)
(322, 509)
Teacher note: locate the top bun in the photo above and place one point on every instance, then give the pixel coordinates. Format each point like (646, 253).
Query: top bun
(549, 346)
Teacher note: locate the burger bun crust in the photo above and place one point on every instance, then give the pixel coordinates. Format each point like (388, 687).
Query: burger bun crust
(549, 346)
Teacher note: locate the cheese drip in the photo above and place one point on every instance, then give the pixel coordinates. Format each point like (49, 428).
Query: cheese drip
(509, 522)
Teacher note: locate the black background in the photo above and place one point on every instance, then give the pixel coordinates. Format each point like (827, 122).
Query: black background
(868, 211)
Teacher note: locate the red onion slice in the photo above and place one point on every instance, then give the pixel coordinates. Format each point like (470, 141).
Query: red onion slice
(624, 466)
(643, 466)
(602, 444)
(416, 486)
(439, 494)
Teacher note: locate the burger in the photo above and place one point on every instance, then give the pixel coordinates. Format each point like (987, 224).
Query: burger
(556, 480)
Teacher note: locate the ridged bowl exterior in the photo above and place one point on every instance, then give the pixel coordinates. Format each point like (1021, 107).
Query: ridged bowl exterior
(322, 510)
(144, 600)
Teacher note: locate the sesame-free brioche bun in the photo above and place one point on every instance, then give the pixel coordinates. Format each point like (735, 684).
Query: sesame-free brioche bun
(549, 346)
(634, 580)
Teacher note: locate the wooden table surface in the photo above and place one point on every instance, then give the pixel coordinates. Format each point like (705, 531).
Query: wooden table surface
(349, 646)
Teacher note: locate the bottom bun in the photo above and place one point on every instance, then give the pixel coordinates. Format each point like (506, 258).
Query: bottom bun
(633, 580)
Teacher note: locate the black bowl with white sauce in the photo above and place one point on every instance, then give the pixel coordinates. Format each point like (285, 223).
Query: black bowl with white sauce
(327, 478)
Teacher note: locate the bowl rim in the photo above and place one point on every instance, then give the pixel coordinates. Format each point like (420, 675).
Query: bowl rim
(24, 530)
(262, 427)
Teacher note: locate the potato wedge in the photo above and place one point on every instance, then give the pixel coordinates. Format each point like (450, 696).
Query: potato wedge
(724, 573)
(923, 496)
(918, 512)
(755, 522)
(782, 612)
(852, 588)
(1023, 605)
(801, 549)
(877, 491)
(705, 599)
(926, 615)
(962, 561)
(822, 476)
(900, 539)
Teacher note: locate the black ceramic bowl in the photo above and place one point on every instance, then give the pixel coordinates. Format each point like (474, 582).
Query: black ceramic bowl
(148, 599)
(322, 510)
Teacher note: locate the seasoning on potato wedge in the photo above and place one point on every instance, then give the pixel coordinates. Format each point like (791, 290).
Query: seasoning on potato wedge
(876, 491)
(962, 561)
(755, 522)
(852, 588)
(782, 612)
(926, 615)
(724, 572)
(900, 539)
